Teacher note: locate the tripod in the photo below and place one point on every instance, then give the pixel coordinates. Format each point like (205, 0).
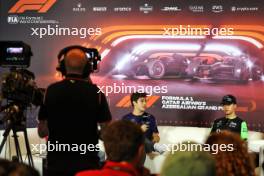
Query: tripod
(16, 127)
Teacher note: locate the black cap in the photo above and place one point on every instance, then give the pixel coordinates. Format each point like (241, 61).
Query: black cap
(228, 100)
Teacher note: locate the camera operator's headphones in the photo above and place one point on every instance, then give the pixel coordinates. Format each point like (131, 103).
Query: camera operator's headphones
(92, 56)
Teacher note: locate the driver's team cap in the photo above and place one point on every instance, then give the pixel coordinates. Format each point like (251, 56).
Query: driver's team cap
(228, 100)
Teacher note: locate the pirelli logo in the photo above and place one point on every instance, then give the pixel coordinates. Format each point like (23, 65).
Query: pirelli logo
(41, 6)
(125, 101)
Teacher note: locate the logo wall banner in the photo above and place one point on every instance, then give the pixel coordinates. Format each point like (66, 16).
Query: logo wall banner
(185, 55)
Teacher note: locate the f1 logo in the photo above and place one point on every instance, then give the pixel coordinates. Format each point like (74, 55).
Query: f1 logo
(125, 101)
(41, 6)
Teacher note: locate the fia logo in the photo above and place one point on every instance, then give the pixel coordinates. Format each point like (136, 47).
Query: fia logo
(12, 19)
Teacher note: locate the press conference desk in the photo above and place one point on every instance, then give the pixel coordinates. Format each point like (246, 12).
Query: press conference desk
(168, 135)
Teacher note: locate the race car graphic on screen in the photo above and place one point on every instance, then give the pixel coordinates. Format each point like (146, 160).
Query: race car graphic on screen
(226, 68)
(156, 66)
(127, 53)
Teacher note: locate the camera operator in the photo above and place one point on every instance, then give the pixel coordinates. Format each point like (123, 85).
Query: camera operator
(70, 114)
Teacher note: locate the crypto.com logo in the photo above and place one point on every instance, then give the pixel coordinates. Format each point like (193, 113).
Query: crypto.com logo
(41, 6)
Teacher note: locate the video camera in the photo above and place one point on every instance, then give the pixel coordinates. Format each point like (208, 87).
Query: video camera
(15, 54)
(19, 89)
(19, 84)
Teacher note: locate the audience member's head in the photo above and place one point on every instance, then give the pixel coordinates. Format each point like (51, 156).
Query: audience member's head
(4, 167)
(235, 162)
(8, 168)
(124, 141)
(189, 163)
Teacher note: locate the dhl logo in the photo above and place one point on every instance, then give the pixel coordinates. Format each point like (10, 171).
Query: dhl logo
(125, 102)
(42, 6)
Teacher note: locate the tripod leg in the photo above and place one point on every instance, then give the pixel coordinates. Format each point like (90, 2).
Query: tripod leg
(18, 151)
(5, 135)
(29, 155)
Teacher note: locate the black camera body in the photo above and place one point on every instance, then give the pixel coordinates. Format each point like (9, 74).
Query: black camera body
(20, 87)
(15, 54)
(19, 84)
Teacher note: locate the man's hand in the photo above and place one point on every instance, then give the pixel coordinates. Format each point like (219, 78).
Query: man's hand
(144, 127)
(156, 137)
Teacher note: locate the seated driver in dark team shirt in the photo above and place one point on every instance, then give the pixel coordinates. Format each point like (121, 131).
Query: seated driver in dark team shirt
(146, 121)
(231, 121)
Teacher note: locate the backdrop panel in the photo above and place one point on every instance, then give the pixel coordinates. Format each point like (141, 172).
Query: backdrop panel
(185, 55)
